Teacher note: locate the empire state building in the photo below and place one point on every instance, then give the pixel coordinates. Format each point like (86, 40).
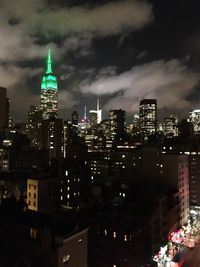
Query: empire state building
(49, 91)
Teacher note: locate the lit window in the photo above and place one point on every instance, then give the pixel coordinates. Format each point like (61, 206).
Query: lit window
(68, 196)
(68, 188)
(61, 198)
(105, 232)
(123, 156)
(66, 173)
(125, 238)
(66, 258)
(114, 234)
(33, 233)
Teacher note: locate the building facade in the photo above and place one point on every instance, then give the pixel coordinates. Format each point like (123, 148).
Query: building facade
(148, 116)
(4, 108)
(117, 123)
(194, 118)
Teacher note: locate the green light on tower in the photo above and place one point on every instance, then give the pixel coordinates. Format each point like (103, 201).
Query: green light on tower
(49, 81)
(49, 62)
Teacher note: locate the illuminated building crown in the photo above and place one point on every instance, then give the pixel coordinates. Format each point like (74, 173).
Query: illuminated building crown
(49, 81)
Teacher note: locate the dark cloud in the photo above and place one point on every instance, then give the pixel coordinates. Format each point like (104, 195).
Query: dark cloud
(107, 48)
(169, 82)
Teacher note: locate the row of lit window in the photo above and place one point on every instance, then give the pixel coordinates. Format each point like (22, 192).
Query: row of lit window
(68, 195)
(125, 237)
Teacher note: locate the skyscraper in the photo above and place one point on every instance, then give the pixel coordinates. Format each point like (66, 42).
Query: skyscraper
(99, 112)
(49, 91)
(171, 125)
(74, 117)
(96, 115)
(194, 118)
(148, 116)
(33, 125)
(4, 108)
(117, 123)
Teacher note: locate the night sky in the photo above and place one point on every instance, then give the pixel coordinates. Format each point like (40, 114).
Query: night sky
(120, 51)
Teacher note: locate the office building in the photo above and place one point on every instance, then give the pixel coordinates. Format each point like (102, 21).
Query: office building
(171, 125)
(74, 119)
(93, 118)
(52, 137)
(148, 117)
(174, 172)
(194, 118)
(33, 126)
(117, 123)
(194, 182)
(4, 109)
(49, 91)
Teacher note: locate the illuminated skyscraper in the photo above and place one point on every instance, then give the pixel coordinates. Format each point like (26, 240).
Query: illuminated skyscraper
(99, 112)
(171, 125)
(148, 116)
(96, 115)
(49, 91)
(194, 118)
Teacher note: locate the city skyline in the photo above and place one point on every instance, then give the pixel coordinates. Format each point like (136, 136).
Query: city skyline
(141, 49)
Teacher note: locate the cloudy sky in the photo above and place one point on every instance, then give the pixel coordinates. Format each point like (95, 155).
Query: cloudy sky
(120, 51)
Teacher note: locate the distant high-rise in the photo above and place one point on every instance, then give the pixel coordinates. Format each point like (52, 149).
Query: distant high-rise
(33, 125)
(148, 116)
(99, 112)
(52, 137)
(96, 115)
(171, 125)
(49, 91)
(194, 118)
(4, 108)
(75, 118)
(93, 118)
(117, 123)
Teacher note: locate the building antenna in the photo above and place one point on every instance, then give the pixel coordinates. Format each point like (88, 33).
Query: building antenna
(85, 113)
(98, 104)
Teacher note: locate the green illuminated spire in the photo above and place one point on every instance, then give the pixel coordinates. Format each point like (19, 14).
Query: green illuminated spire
(49, 81)
(49, 62)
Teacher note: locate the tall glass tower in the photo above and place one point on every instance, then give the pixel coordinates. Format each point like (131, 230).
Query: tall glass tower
(49, 91)
(148, 117)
